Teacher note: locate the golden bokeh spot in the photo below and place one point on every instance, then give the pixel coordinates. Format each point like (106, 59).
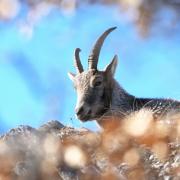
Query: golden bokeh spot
(138, 123)
(160, 149)
(9, 9)
(131, 157)
(74, 156)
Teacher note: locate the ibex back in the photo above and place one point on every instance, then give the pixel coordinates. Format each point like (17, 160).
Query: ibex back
(99, 94)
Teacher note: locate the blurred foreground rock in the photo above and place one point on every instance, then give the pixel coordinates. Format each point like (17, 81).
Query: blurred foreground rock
(55, 152)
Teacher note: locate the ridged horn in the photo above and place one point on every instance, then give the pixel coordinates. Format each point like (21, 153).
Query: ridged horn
(77, 61)
(94, 55)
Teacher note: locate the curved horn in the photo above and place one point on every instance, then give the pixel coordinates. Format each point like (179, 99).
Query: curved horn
(94, 55)
(77, 61)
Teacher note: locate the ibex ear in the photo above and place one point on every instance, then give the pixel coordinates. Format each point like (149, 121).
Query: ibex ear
(111, 68)
(71, 76)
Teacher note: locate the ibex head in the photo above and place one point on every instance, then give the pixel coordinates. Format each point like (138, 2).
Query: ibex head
(94, 87)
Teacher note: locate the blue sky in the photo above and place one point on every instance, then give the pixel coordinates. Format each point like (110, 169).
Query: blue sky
(33, 65)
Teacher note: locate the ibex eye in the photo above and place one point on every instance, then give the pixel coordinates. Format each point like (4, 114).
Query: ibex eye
(97, 83)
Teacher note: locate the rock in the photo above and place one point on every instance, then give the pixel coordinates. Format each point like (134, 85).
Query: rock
(55, 152)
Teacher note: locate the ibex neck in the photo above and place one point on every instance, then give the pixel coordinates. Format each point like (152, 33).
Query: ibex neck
(121, 100)
(125, 103)
(122, 104)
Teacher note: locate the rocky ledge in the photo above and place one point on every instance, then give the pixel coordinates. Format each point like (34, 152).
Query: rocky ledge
(131, 149)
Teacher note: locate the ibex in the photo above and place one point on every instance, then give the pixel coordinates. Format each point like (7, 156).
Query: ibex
(99, 94)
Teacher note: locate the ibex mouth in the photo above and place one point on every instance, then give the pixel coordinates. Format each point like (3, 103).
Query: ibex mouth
(84, 118)
(90, 117)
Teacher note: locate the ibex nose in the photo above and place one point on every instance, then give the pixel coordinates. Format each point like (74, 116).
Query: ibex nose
(79, 110)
